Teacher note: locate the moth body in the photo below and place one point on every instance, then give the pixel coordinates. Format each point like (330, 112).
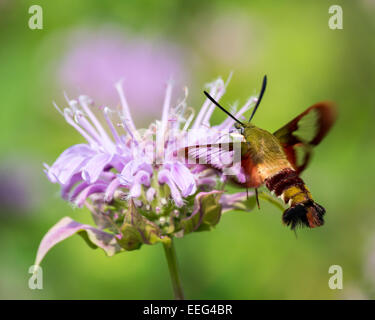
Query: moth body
(276, 159)
(265, 161)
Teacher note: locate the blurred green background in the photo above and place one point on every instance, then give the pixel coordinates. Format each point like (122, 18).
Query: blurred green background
(248, 255)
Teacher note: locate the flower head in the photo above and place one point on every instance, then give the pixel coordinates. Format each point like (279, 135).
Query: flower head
(135, 182)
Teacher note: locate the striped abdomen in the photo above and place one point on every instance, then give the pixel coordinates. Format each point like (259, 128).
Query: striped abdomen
(291, 188)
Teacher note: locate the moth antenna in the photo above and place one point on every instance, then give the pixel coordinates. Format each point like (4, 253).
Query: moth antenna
(218, 105)
(264, 84)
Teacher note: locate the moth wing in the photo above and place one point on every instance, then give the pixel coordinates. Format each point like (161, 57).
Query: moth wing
(216, 155)
(299, 136)
(232, 161)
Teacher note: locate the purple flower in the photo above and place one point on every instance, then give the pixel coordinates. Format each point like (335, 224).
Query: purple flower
(95, 59)
(135, 182)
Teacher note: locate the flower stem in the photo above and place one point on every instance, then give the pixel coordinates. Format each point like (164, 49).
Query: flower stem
(170, 254)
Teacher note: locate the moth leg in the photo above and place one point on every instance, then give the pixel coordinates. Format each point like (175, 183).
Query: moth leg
(256, 196)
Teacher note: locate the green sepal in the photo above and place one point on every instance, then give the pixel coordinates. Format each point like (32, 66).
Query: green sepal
(130, 239)
(206, 213)
(137, 230)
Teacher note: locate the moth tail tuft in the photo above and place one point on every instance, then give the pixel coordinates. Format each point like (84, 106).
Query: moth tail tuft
(305, 214)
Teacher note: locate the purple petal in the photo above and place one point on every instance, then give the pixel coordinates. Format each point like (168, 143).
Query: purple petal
(67, 227)
(135, 190)
(183, 179)
(233, 201)
(128, 174)
(118, 162)
(66, 189)
(78, 189)
(165, 177)
(150, 194)
(95, 166)
(95, 188)
(115, 183)
(69, 162)
(208, 181)
(107, 175)
(76, 150)
(142, 177)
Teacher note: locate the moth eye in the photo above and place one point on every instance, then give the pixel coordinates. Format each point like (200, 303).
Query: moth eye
(239, 127)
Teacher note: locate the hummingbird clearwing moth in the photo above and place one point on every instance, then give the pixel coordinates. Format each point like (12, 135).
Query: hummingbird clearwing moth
(276, 159)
